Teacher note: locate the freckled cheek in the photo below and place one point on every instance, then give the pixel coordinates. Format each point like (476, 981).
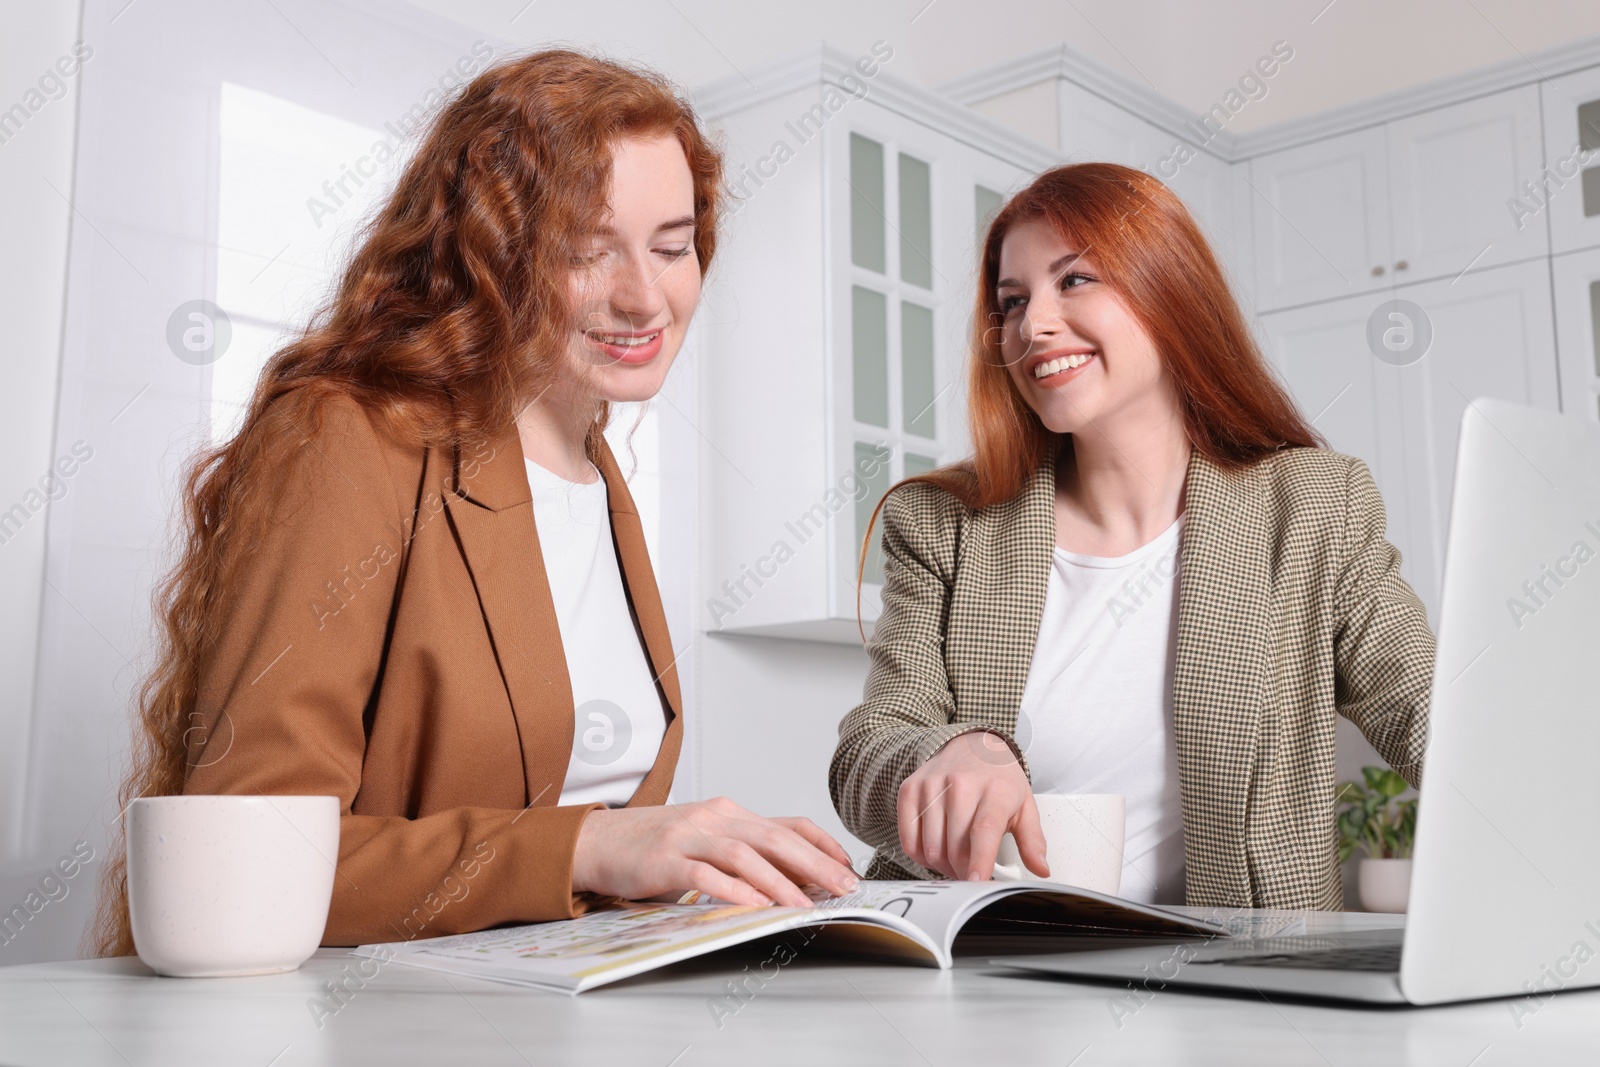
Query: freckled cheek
(683, 298)
(585, 308)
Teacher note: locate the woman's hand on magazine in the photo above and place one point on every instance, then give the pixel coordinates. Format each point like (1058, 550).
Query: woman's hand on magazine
(955, 808)
(714, 846)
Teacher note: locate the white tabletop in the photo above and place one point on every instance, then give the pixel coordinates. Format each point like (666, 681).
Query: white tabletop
(818, 1009)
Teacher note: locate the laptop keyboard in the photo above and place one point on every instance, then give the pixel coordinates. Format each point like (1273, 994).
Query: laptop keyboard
(1350, 958)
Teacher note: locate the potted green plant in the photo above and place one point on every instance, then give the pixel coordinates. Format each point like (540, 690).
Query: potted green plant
(1374, 819)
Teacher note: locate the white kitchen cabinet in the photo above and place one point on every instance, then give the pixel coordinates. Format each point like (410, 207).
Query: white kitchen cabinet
(1567, 197)
(1321, 220)
(1320, 352)
(1421, 197)
(762, 369)
(1094, 129)
(1207, 187)
(837, 325)
(1241, 238)
(1452, 172)
(1492, 337)
(901, 267)
(1577, 301)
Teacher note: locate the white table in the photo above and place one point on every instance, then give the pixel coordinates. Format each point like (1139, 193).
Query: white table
(818, 1010)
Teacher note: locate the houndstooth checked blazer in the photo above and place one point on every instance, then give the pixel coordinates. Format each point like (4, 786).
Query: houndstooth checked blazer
(1291, 609)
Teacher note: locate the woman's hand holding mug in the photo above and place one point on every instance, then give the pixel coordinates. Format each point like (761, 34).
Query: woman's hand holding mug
(955, 808)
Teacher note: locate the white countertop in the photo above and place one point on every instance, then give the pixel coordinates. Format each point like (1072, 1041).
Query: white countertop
(818, 1009)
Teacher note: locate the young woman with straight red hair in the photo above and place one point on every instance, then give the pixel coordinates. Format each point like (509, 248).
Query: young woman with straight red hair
(1151, 579)
(415, 579)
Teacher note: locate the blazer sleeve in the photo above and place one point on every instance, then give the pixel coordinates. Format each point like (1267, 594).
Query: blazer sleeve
(1383, 647)
(908, 707)
(284, 685)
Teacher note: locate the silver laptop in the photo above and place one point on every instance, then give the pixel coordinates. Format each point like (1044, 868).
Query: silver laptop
(1505, 890)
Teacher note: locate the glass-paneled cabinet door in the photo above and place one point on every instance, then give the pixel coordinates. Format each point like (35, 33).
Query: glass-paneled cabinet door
(889, 287)
(986, 204)
(1577, 300)
(1567, 198)
(908, 208)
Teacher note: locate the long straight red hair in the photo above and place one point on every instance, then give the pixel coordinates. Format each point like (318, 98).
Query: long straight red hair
(1149, 251)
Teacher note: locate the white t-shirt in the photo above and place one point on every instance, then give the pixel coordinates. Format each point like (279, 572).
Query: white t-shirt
(619, 720)
(1097, 709)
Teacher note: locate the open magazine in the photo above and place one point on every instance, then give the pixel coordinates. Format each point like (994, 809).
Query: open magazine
(917, 920)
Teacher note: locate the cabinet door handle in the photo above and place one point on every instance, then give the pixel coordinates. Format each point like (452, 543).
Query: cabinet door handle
(1401, 265)
(1377, 272)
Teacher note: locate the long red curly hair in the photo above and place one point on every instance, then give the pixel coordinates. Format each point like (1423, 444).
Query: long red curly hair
(450, 316)
(1149, 250)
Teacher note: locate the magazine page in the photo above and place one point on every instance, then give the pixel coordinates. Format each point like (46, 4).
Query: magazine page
(914, 920)
(603, 946)
(1039, 907)
(944, 909)
(937, 908)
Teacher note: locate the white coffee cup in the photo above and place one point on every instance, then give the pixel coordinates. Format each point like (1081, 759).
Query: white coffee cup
(230, 885)
(1083, 836)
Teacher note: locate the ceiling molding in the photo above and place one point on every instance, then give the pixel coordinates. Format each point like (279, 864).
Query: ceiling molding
(1537, 67)
(1065, 62)
(1088, 73)
(825, 65)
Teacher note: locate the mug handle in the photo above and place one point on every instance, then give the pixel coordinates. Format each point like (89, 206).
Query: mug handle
(1009, 872)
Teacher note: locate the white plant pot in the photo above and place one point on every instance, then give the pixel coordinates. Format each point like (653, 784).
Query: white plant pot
(1385, 884)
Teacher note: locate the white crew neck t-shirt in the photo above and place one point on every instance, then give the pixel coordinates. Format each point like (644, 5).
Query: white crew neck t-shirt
(619, 719)
(1097, 709)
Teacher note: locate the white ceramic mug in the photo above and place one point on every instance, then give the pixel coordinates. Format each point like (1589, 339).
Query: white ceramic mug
(1083, 836)
(230, 885)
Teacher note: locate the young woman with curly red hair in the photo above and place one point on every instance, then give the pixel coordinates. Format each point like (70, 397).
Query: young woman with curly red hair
(415, 579)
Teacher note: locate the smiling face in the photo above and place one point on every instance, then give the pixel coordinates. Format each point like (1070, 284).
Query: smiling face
(1076, 354)
(635, 279)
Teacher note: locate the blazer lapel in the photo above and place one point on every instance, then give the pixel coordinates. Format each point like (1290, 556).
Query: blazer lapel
(1223, 612)
(490, 507)
(1006, 604)
(640, 579)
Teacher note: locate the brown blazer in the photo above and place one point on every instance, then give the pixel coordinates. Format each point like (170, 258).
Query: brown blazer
(388, 637)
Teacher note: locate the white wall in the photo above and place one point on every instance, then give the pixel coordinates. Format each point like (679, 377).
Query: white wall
(35, 185)
(151, 233)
